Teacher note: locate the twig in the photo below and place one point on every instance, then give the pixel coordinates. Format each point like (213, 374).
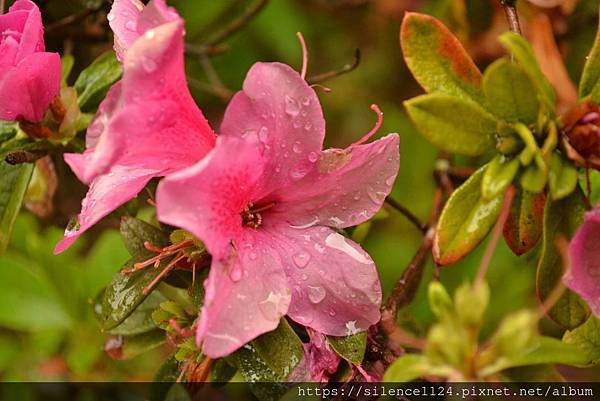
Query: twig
(510, 9)
(496, 233)
(336, 73)
(222, 93)
(408, 214)
(69, 20)
(236, 24)
(213, 77)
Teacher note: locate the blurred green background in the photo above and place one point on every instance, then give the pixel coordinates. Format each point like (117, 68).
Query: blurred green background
(47, 327)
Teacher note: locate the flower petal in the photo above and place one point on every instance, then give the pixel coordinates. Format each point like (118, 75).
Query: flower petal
(28, 88)
(207, 199)
(319, 361)
(280, 109)
(32, 32)
(107, 192)
(584, 254)
(245, 297)
(129, 19)
(346, 187)
(336, 289)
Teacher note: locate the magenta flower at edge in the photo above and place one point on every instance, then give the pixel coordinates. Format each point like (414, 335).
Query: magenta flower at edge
(148, 125)
(584, 255)
(267, 202)
(29, 76)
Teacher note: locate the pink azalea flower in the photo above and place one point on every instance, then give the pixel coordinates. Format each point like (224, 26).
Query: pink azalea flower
(319, 362)
(584, 254)
(267, 202)
(148, 125)
(29, 76)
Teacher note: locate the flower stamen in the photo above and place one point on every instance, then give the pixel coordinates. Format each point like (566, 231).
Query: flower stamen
(374, 130)
(251, 215)
(304, 55)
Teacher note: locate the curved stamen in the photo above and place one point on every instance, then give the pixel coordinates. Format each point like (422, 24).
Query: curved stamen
(369, 134)
(304, 55)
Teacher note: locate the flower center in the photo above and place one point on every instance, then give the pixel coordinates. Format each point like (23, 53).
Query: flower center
(251, 215)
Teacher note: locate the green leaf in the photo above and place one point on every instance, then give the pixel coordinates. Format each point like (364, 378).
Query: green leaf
(125, 293)
(523, 227)
(135, 232)
(13, 186)
(466, 219)
(587, 339)
(221, 372)
(524, 55)
(590, 79)
(351, 348)
(28, 300)
(407, 368)
(534, 179)
(167, 374)
(140, 321)
(561, 218)
(562, 177)
(510, 92)
(93, 82)
(544, 350)
(66, 65)
(453, 124)
(127, 347)
(178, 392)
(271, 357)
(437, 59)
(498, 176)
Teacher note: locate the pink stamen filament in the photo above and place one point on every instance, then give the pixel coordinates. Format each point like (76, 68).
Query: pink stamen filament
(304, 55)
(374, 130)
(166, 270)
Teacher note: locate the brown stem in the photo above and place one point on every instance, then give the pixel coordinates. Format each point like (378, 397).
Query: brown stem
(69, 20)
(408, 214)
(336, 73)
(510, 9)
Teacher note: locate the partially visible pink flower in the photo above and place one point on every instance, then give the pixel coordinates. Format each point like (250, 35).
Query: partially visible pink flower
(29, 76)
(584, 255)
(267, 201)
(322, 361)
(148, 125)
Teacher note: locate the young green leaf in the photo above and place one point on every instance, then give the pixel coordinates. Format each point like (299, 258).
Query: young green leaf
(525, 56)
(534, 179)
(13, 185)
(523, 227)
(407, 368)
(66, 65)
(498, 176)
(351, 348)
(452, 124)
(590, 79)
(510, 92)
(562, 177)
(437, 59)
(140, 321)
(465, 220)
(93, 82)
(561, 218)
(587, 339)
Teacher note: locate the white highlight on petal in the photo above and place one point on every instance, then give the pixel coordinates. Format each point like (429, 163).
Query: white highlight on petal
(337, 241)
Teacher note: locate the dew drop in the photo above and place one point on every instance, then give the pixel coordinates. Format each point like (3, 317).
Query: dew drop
(130, 25)
(306, 101)
(263, 134)
(316, 294)
(235, 274)
(291, 106)
(297, 147)
(148, 64)
(301, 259)
(390, 180)
(312, 157)
(308, 126)
(110, 17)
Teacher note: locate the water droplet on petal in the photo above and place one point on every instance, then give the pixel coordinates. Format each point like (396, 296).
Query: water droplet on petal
(316, 294)
(301, 259)
(148, 64)
(110, 17)
(297, 147)
(236, 273)
(376, 196)
(306, 101)
(291, 106)
(263, 134)
(130, 25)
(308, 126)
(312, 157)
(390, 180)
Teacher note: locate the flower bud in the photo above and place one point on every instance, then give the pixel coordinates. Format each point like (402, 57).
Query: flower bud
(582, 135)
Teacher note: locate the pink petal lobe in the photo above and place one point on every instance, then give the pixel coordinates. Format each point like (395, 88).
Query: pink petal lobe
(246, 296)
(208, 198)
(584, 253)
(28, 88)
(335, 286)
(107, 192)
(32, 31)
(346, 187)
(320, 360)
(280, 109)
